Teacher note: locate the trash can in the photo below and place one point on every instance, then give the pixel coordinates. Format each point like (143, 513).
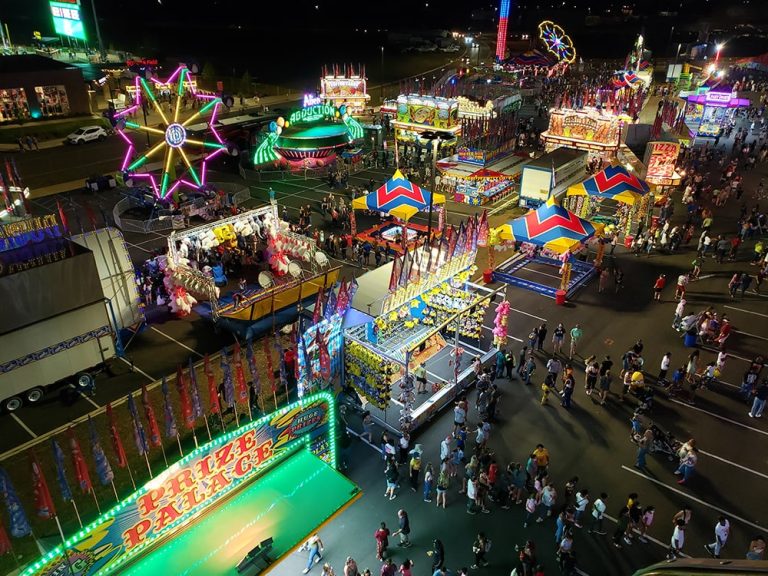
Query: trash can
(628, 239)
(560, 297)
(488, 275)
(690, 339)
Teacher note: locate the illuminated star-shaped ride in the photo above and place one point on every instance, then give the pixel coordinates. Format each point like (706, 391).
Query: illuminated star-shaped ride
(174, 144)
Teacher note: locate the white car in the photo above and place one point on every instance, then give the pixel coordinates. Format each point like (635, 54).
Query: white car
(86, 134)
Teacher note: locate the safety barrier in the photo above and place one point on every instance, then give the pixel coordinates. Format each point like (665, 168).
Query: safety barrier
(161, 220)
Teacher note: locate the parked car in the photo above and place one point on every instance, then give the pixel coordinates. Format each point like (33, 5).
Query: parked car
(86, 134)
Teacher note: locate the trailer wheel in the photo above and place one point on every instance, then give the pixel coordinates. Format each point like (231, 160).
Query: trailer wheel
(12, 404)
(85, 381)
(34, 395)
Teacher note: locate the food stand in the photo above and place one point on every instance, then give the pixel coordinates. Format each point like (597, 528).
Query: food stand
(346, 86)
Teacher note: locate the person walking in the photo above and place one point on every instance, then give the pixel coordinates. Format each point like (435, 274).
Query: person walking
(382, 541)
(722, 530)
(414, 467)
(677, 540)
(558, 335)
(658, 286)
(406, 568)
(403, 528)
(576, 334)
(350, 567)
(437, 554)
(758, 404)
(541, 334)
(582, 502)
(441, 488)
(392, 476)
(756, 549)
(569, 383)
(687, 465)
(480, 548)
(622, 523)
(429, 479)
(666, 361)
(315, 548)
(388, 568)
(598, 511)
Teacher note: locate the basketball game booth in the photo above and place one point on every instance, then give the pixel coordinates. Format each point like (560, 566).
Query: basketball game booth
(235, 505)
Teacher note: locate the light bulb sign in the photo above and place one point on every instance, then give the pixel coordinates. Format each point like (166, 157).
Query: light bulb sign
(189, 487)
(67, 20)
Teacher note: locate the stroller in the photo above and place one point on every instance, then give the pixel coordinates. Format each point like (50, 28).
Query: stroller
(663, 442)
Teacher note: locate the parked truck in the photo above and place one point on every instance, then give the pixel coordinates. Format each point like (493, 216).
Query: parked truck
(64, 304)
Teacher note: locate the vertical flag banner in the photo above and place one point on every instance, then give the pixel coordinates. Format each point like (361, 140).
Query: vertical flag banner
(61, 471)
(237, 359)
(194, 391)
(139, 437)
(280, 363)
(114, 435)
(19, 522)
(149, 413)
(229, 387)
(81, 469)
(103, 469)
(213, 392)
(268, 357)
(318, 311)
(5, 542)
(483, 230)
(252, 368)
(330, 304)
(43, 502)
(186, 405)
(394, 279)
(170, 420)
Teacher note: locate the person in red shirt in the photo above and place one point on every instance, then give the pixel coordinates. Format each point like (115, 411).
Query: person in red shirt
(382, 541)
(725, 331)
(658, 286)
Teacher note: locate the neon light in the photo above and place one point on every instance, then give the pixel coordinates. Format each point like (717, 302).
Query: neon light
(133, 125)
(312, 113)
(501, 36)
(198, 481)
(311, 100)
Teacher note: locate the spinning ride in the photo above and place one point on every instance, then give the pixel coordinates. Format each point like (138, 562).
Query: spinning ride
(174, 145)
(557, 42)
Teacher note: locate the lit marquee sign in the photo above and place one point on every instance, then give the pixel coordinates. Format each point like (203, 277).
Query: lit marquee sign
(312, 113)
(67, 20)
(31, 230)
(189, 487)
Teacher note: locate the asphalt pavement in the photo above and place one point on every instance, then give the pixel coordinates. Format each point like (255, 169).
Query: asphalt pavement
(590, 441)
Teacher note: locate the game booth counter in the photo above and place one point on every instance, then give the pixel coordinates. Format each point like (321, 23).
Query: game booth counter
(420, 119)
(421, 309)
(400, 199)
(546, 240)
(473, 180)
(708, 110)
(280, 269)
(615, 197)
(237, 504)
(596, 131)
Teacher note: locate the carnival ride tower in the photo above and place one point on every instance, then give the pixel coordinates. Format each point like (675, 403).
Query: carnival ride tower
(501, 37)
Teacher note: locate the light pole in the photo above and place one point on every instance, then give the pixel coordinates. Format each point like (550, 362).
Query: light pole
(382, 75)
(98, 32)
(432, 179)
(718, 48)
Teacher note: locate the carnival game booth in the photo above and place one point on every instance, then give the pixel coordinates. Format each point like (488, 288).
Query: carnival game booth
(311, 136)
(402, 200)
(345, 86)
(475, 184)
(237, 504)
(549, 237)
(614, 197)
(421, 119)
(710, 110)
(280, 268)
(421, 308)
(596, 131)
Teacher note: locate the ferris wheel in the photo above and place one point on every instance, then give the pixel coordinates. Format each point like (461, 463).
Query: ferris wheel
(558, 43)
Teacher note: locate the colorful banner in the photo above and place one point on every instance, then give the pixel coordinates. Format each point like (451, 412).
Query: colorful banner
(196, 482)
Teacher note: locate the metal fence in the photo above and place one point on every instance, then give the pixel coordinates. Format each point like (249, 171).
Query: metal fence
(161, 220)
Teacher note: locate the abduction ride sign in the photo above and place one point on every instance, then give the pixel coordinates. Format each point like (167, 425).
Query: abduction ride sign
(312, 113)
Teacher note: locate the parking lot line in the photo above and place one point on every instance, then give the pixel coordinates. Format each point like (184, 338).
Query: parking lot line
(746, 311)
(755, 472)
(698, 500)
(719, 416)
(24, 426)
(172, 339)
(137, 369)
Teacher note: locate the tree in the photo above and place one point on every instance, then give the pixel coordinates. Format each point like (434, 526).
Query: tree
(246, 87)
(208, 76)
